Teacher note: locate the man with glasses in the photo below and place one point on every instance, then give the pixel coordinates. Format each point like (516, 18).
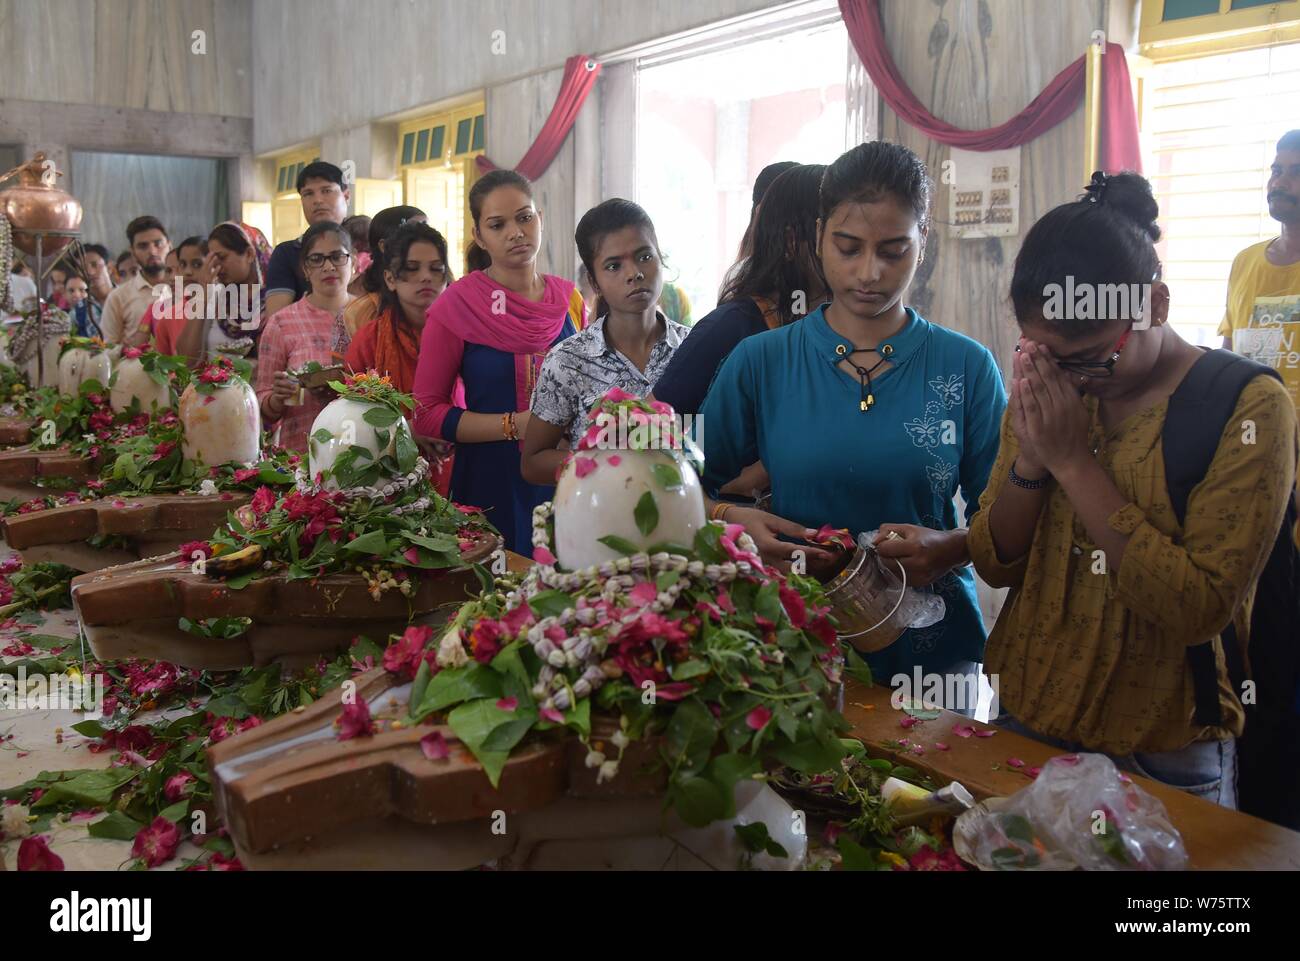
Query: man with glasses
(325, 198)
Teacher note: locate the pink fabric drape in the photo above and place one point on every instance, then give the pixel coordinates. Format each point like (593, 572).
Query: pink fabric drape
(1059, 99)
(580, 75)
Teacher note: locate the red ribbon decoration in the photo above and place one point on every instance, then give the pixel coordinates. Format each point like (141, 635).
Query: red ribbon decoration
(1119, 135)
(580, 73)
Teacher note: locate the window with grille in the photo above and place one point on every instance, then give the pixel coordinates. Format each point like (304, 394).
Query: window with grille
(1211, 126)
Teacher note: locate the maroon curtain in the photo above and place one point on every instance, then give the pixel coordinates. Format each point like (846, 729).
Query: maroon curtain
(1119, 141)
(580, 75)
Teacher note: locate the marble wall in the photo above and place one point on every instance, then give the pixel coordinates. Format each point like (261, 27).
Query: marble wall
(976, 63)
(382, 57)
(129, 53)
(515, 111)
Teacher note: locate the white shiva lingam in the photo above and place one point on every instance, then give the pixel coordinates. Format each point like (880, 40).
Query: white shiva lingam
(133, 610)
(419, 813)
(132, 383)
(78, 364)
(222, 425)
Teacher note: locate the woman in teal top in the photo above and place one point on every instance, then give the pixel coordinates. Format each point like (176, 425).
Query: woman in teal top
(866, 415)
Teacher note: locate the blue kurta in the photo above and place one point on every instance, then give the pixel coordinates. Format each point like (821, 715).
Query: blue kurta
(781, 397)
(488, 475)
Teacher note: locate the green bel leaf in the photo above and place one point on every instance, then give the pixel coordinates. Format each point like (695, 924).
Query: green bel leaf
(550, 603)
(373, 542)
(620, 544)
(116, 827)
(667, 475)
(646, 514)
(380, 417)
(456, 685)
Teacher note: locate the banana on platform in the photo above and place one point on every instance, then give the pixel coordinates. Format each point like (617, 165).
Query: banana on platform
(237, 562)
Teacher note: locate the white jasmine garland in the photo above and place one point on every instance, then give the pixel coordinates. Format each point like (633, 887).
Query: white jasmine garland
(13, 821)
(208, 487)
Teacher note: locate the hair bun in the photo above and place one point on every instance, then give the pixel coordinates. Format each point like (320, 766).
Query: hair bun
(1129, 195)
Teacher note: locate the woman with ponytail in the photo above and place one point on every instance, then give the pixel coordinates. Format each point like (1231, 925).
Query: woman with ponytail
(480, 352)
(866, 415)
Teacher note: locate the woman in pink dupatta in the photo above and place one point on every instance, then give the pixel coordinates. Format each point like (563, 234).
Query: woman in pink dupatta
(481, 351)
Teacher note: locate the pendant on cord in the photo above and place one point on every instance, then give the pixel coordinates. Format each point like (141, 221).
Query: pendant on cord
(864, 375)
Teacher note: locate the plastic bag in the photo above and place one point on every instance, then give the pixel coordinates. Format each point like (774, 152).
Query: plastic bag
(1080, 812)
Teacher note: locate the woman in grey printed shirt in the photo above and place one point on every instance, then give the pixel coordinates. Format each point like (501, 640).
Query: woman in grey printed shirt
(627, 346)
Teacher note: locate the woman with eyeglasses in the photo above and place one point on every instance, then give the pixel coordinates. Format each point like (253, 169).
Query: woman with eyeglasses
(481, 351)
(305, 331)
(415, 273)
(1109, 639)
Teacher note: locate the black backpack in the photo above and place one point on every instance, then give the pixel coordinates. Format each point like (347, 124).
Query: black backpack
(1269, 751)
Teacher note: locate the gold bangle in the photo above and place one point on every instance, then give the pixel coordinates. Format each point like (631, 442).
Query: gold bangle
(720, 510)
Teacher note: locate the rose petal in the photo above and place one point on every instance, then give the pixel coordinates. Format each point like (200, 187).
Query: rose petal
(940, 746)
(543, 556)
(551, 714)
(582, 466)
(613, 460)
(908, 722)
(757, 719)
(963, 730)
(1033, 771)
(986, 732)
(1015, 762)
(507, 703)
(434, 746)
(644, 593)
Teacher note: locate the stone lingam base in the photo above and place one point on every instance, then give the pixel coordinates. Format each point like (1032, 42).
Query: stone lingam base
(21, 469)
(294, 796)
(16, 430)
(152, 526)
(132, 611)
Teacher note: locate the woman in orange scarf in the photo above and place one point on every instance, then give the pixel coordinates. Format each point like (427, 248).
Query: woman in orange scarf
(415, 273)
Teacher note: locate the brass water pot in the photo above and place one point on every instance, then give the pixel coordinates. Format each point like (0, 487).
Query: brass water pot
(36, 204)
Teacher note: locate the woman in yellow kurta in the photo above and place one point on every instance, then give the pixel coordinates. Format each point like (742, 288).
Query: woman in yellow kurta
(1108, 589)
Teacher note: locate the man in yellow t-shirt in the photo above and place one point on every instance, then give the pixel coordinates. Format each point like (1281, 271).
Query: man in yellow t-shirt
(1262, 320)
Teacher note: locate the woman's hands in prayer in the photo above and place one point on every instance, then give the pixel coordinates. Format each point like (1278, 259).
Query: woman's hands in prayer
(1047, 413)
